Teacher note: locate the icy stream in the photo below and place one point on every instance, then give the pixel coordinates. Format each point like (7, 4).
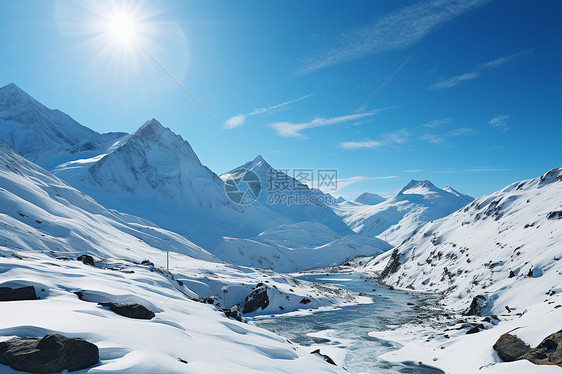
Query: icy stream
(349, 326)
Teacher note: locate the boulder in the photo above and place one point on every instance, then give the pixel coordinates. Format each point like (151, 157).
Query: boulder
(232, 312)
(17, 294)
(548, 352)
(51, 354)
(477, 306)
(326, 358)
(257, 299)
(510, 347)
(130, 310)
(305, 300)
(87, 260)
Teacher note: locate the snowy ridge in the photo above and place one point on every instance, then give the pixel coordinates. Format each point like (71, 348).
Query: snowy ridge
(45, 135)
(503, 248)
(397, 218)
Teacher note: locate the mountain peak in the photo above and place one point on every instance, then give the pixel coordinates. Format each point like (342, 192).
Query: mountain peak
(12, 94)
(418, 184)
(369, 198)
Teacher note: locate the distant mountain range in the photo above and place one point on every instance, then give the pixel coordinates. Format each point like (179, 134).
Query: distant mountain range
(153, 173)
(397, 218)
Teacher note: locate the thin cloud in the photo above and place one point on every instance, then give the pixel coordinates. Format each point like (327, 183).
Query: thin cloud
(477, 73)
(454, 81)
(461, 131)
(441, 138)
(397, 30)
(390, 138)
(294, 130)
(413, 171)
(437, 123)
(501, 122)
(240, 119)
(361, 144)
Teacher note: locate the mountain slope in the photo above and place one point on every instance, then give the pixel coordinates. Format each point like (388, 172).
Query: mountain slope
(368, 198)
(156, 174)
(46, 224)
(288, 197)
(473, 251)
(499, 257)
(44, 135)
(397, 218)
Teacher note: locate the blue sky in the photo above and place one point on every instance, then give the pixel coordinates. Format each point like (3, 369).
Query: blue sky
(460, 92)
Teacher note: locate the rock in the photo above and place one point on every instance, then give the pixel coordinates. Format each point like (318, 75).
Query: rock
(475, 329)
(477, 306)
(511, 274)
(80, 295)
(207, 300)
(17, 294)
(548, 352)
(147, 263)
(51, 354)
(257, 299)
(326, 358)
(392, 265)
(530, 273)
(305, 300)
(87, 260)
(510, 347)
(232, 312)
(130, 310)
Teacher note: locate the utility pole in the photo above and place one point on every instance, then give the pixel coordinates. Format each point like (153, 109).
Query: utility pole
(167, 260)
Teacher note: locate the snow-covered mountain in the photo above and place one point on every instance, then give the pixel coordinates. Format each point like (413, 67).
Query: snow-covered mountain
(155, 174)
(499, 256)
(397, 218)
(287, 196)
(45, 225)
(369, 198)
(43, 135)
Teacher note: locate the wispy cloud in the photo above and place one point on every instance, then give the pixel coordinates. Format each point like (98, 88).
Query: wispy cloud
(390, 138)
(501, 122)
(240, 119)
(442, 137)
(294, 130)
(454, 81)
(397, 30)
(413, 171)
(437, 123)
(477, 72)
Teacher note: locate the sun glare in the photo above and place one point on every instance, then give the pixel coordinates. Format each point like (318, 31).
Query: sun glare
(122, 28)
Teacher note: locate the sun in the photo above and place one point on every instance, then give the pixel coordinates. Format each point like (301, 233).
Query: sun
(122, 28)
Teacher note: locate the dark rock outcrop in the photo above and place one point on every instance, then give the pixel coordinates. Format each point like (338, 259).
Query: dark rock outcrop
(17, 294)
(326, 358)
(232, 312)
(510, 347)
(477, 306)
(548, 352)
(51, 354)
(87, 260)
(257, 299)
(392, 265)
(305, 300)
(130, 310)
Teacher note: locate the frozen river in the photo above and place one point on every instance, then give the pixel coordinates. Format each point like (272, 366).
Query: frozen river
(349, 326)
